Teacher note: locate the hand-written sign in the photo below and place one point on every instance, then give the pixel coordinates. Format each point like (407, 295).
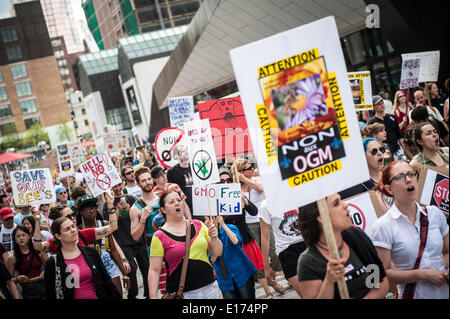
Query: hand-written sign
(181, 110)
(224, 200)
(100, 174)
(32, 187)
(410, 74)
(428, 65)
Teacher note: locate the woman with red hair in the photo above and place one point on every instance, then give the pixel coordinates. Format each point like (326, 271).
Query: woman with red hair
(411, 240)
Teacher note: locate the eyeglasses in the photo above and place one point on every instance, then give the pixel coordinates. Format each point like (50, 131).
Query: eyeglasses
(72, 216)
(400, 96)
(226, 181)
(402, 176)
(62, 192)
(375, 151)
(128, 173)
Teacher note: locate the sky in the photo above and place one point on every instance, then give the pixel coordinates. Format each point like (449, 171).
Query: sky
(5, 6)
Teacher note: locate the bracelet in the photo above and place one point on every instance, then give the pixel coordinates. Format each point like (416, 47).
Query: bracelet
(38, 240)
(124, 260)
(112, 211)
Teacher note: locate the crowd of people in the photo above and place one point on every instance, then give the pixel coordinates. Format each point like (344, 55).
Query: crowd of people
(85, 247)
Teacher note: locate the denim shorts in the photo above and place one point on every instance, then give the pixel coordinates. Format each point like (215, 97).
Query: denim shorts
(109, 264)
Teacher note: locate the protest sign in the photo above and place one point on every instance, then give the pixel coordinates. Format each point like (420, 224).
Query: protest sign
(64, 160)
(100, 174)
(364, 210)
(429, 64)
(304, 130)
(181, 110)
(361, 90)
(136, 137)
(228, 126)
(410, 74)
(116, 141)
(433, 187)
(165, 142)
(216, 199)
(110, 142)
(32, 187)
(202, 156)
(76, 151)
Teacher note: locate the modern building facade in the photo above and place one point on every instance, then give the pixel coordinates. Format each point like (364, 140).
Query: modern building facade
(31, 90)
(79, 115)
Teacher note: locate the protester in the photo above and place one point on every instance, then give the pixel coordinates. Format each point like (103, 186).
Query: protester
(3, 253)
(169, 244)
(131, 186)
(420, 100)
(401, 110)
(411, 240)
(30, 223)
(318, 271)
(409, 147)
(377, 131)
(8, 289)
(62, 197)
(159, 176)
(75, 264)
(7, 228)
(426, 138)
(133, 249)
(4, 201)
(394, 136)
(234, 270)
(88, 217)
(24, 211)
(44, 210)
(420, 115)
(436, 99)
(28, 263)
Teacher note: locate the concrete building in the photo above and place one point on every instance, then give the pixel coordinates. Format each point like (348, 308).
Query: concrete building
(30, 84)
(79, 116)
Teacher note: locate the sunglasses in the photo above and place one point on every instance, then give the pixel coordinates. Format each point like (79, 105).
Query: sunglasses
(375, 151)
(402, 176)
(400, 96)
(128, 173)
(226, 181)
(91, 207)
(72, 216)
(248, 169)
(62, 192)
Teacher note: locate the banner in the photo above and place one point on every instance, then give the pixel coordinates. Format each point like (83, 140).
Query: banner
(410, 74)
(32, 187)
(361, 90)
(100, 174)
(165, 142)
(181, 110)
(298, 104)
(64, 160)
(429, 64)
(433, 187)
(134, 108)
(217, 199)
(202, 156)
(228, 126)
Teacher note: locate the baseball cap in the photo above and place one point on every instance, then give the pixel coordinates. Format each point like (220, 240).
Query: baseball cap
(85, 201)
(376, 99)
(127, 159)
(60, 189)
(156, 171)
(6, 213)
(225, 170)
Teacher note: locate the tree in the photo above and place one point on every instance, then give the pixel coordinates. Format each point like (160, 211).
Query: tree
(65, 132)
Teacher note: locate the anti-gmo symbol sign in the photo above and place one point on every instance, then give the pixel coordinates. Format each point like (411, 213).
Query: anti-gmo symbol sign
(357, 216)
(440, 193)
(165, 142)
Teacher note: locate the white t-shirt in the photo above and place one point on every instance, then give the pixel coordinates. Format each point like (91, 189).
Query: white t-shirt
(6, 238)
(395, 232)
(256, 198)
(285, 228)
(136, 191)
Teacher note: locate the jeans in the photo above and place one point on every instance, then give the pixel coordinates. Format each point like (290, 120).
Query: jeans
(247, 291)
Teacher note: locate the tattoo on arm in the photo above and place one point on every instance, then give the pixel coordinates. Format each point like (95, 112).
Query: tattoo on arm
(103, 231)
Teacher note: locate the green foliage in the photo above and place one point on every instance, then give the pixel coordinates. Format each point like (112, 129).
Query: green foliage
(34, 135)
(65, 133)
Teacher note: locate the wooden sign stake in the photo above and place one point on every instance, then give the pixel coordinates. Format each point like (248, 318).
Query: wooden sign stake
(331, 242)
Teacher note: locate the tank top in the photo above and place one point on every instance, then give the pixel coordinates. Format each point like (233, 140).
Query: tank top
(31, 265)
(256, 198)
(149, 229)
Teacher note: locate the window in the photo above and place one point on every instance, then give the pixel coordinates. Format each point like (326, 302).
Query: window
(31, 121)
(3, 93)
(23, 89)
(28, 106)
(83, 111)
(1, 76)
(86, 122)
(5, 111)
(59, 54)
(8, 128)
(62, 62)
(9, 35)
(119, 117)
(75, 124)
(14, 53)
(19, 71)
(56, 43)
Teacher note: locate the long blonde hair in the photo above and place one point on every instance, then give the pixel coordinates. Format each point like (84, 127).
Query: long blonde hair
(396, 103)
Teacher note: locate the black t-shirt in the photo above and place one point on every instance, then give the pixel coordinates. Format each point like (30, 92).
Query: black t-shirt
(393, 133)
(439, 104)
(183, 178)
(5, 275)
(313, 266)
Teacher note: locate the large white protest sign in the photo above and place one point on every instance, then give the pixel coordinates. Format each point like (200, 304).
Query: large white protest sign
(362, 211)
(300, 113)
(76, 151)
(165, 142)
(202, 155)
(64, 160)
(410, 74)
(181, 110)
(361, 90)
(429, 64)
(33, 187)
(217, 199)
(100, 174)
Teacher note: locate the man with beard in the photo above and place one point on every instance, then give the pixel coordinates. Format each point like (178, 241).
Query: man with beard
(131, 187)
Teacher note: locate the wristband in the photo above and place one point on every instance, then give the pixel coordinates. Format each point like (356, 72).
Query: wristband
(124, 260)
(38, 240)
(112, 211)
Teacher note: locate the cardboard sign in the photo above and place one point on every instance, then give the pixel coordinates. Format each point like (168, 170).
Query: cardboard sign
(410, 74)
(228, 126)
(361, 90)
(76, 151)
(64, 160)
(429, 64)
(298, 104)
(116, 141)
(181, 110)
(100, 174)
(364, 211)
(202, 156)
(433, 187)
(33, 187)
(165, 142)
(217, 199)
